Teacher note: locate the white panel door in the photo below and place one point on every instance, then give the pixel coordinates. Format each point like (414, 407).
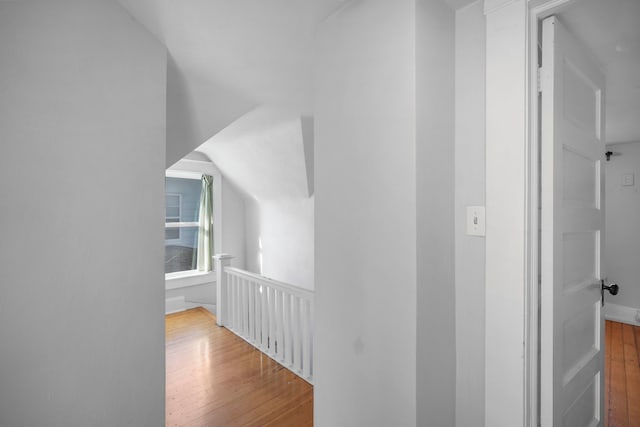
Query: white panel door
(572, 221)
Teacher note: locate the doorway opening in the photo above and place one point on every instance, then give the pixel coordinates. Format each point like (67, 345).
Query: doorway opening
(608, 33)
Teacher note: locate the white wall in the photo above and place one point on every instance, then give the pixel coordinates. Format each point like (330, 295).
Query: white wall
(622, 241)
(365, 216)
(265, 154)
(81, 312)
(279, 239)
(200, 295)
(469, 183)
(233, 228)
(436, 322)
(198, 106)
(506, 200)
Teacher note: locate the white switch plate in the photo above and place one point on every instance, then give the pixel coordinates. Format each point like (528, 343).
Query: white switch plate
(475, 221)
(628, 179)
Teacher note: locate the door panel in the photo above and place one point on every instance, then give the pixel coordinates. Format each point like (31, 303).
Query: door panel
(579, 253)
(572, 233)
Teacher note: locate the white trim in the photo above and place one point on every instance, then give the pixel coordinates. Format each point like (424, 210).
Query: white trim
(180, 225)
(507, 240)
(532, 239)
(174, 305)
(191, 165)
(275, 284)
(173, 173)
(211, 308)
(539, 9)
(184, 279)
(178, 217)
(621, 313)
(511, 373)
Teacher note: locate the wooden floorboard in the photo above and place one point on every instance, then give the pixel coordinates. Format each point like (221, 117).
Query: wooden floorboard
(622, 375)
(215, 378)
(632, 370)
(607, 368)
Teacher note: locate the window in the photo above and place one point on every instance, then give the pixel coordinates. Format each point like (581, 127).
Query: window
(173, 203)
(183, 225)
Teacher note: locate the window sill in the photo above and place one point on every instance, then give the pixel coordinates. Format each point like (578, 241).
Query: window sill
(184, 279)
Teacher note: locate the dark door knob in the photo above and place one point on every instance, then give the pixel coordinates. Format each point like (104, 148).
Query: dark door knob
(612, 288)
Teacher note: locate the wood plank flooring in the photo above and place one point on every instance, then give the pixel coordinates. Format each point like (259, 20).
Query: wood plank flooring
(215, 378)
(622, 374)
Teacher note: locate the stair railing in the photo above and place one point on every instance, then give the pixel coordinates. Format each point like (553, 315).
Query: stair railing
(274, 317)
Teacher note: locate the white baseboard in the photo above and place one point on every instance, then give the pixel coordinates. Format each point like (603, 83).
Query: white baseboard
(621, 313)
(174, 305)
(209, 307)
(177, 304)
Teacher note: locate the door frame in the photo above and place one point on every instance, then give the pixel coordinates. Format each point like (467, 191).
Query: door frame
(512, 218)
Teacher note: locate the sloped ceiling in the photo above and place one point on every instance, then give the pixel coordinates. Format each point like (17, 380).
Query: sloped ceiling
(235, 67)
(259, 50)
(263, 154)
(230, 56)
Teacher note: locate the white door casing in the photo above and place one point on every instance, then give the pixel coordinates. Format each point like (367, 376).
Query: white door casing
(572, 237)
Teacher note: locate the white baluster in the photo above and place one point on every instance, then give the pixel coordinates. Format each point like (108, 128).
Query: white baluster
(264, 312)
(239, 287)
(252, 311)
(243, 307)
(272, 321)
(297, 336)
(275, 317)
(236, 305)
(306, 340)
(247, 316)
(311, 337)
(288, 342)
(231, 318)
(222, 261)
(280, 317)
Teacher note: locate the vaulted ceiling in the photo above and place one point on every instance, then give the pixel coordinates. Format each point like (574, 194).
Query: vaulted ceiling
(229, 57)
(240, 86)
(259, 50)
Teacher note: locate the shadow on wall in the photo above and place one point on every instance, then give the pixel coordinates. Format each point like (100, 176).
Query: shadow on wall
(197, 108)
(268, 155)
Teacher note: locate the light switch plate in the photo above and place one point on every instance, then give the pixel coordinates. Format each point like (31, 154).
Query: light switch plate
(475, 221)
(628, 179)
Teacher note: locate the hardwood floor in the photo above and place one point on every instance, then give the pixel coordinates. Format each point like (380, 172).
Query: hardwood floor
(622, 375)
(214, 378)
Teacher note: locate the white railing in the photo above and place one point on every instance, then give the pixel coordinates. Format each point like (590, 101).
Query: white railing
(275, 317)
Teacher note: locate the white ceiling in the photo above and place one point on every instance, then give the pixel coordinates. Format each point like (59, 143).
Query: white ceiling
(232, 56)
(611, 30)
(229, 57)
(262, 51)
(263, 154)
